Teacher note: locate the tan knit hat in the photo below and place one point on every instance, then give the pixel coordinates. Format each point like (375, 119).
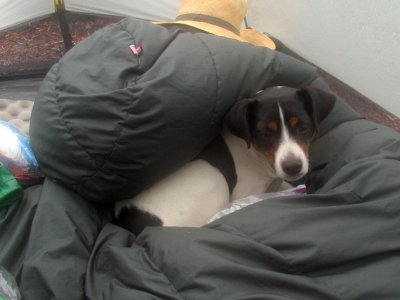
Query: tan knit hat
(220, 17)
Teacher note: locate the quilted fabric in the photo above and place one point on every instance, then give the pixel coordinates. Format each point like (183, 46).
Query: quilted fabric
(17, 112)
(109, 122)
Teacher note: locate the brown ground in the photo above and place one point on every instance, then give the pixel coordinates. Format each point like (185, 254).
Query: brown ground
(35, 46)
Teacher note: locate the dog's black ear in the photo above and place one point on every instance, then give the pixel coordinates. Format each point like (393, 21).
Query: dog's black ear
(318, 103)
(237, 119)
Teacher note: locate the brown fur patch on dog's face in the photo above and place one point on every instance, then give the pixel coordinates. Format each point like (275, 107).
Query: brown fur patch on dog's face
(266, 131)
(293, 121)
(269, 155)
(273, 126)
(305, 146)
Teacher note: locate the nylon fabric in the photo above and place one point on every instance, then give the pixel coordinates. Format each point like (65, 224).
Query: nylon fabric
(116, 122)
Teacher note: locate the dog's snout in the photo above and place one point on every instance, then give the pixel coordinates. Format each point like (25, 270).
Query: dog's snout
(292, 166)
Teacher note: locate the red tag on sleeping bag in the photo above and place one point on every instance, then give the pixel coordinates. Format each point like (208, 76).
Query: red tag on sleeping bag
(136, 49)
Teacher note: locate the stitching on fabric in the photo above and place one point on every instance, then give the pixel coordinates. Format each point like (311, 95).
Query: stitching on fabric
(61, 118)
(218, 100)
(120, 128)
(240, 233)
(120, 125)
(137, 56)
(310, 80)
(292, 268)
(147, 252)
(307, 81)
(86, 180)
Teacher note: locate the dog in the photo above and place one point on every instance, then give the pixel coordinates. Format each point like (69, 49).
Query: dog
(264, 145)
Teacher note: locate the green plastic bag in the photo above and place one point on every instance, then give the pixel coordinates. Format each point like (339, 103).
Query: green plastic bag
(10, 190)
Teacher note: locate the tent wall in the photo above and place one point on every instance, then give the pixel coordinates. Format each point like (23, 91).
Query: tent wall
(148, 10)
(13, 12)
(356, 41)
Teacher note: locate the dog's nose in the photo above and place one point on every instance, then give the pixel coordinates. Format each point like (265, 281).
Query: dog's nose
(292, 166)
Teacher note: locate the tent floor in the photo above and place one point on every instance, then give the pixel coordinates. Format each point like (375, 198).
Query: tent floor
(20, 89)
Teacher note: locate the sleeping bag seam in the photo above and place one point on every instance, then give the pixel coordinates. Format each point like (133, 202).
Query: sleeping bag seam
(345, 144)
(308, 81)
(128, 111)
(60, 110)
(120, 127)
(290, 267)
(139, 67)
(160, 270)
(218, 81)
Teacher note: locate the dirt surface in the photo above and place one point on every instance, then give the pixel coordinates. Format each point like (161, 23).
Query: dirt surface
(34, 47)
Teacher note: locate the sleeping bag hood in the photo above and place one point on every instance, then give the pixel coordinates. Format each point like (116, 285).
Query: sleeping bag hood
(135, 101)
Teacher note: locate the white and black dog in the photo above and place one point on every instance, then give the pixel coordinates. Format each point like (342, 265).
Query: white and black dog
(265, 140)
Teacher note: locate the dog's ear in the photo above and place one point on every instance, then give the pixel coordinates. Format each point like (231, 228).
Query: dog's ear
(318, 103)
(237, 119)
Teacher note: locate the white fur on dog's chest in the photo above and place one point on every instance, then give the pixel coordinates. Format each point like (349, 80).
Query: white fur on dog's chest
(188, 197)
(254, 174)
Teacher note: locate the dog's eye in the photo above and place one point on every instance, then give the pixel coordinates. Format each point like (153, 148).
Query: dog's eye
(267, 130)
(304, 129)
(270, 129)
(268, 133)
(294, 122)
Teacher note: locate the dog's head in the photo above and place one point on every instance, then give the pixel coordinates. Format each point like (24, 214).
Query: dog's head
(279, 123)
